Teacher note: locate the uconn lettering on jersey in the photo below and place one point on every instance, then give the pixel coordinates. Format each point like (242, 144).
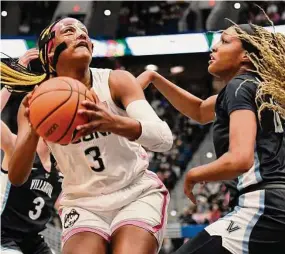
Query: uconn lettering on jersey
(95, 135)
(42, 185)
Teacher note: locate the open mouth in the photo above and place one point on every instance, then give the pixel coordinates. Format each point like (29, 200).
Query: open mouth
(212, 59)
(82, 44)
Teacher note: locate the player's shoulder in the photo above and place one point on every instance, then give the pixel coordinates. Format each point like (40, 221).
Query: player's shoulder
(246, 82)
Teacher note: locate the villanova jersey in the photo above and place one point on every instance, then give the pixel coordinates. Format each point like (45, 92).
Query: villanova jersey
(269, 153)
(100, 163)
(26, 209)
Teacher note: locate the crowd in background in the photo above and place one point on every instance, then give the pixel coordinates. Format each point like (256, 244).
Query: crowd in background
(138, 18)
(171, 17)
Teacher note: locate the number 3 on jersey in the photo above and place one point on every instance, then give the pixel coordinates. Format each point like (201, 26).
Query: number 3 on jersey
(39, 204)
(94, 156)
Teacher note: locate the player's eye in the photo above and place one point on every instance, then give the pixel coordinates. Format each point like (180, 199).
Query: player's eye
(68, 30)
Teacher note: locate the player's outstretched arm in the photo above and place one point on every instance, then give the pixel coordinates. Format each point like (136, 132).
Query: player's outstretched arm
(21, 162)
(202, 111)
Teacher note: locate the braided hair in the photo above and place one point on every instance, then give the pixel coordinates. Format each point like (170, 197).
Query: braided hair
(17, 78)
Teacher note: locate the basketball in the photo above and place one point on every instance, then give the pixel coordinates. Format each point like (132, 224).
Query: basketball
(54, 106)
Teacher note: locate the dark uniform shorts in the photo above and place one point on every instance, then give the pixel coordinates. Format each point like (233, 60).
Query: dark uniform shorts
(27, 245)
(256, 226)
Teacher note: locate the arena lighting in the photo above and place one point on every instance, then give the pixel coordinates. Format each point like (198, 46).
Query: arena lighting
(4, 13)
(107, 12)
(212, 3)
(176, 69)
(76, 8)
(209, 155)
(151, 67)
(237, 5)
(173, 213)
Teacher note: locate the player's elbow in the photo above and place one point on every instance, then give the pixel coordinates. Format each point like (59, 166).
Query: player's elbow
(243, 162)
(164, 141)
(204, 120)
(156, 136)
(15, 178)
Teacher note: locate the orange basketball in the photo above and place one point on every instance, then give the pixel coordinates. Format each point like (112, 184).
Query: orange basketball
(54, 106)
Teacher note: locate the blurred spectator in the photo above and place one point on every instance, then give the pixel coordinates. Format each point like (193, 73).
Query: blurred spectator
(35, 16)
(170, 17)
(150, 18)
(186, 217)
(215, 213)
(273, 9)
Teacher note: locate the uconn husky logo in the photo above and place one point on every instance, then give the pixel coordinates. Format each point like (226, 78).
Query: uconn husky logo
(70, 218)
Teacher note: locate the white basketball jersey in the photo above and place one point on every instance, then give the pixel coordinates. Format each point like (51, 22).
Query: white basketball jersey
(100, 163)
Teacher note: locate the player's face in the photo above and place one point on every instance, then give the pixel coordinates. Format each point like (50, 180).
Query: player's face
(75, 35)
(227, 55)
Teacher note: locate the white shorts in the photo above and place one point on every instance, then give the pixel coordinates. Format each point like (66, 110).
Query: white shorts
(236, 227)
(147, 202)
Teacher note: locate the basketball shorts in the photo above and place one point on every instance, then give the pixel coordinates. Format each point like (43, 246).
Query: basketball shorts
(203, 243)
(144, 202)
(29, 245)
(256, 226)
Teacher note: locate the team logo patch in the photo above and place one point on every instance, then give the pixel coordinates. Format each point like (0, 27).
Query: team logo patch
(232, 227)
(70, 218)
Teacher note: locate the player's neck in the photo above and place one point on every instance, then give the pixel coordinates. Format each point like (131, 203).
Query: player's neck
(83, 75)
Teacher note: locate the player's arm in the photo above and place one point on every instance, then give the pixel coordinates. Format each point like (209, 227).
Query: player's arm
(21, 162)
(142, 124)
(240, 156)
(5, 95)
(151, 131)
(7, 139)
(202, 111)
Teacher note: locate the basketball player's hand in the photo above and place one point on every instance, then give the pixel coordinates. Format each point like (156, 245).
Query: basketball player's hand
(188, 188)
(100, 118)
(30, 55)
(146, 78)
(26, 104)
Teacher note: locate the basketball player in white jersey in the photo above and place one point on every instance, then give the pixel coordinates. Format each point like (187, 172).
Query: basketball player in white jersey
(109, 196)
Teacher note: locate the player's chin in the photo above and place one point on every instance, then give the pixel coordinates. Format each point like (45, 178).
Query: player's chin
(83, 55)
(212, 69)
(82, 51)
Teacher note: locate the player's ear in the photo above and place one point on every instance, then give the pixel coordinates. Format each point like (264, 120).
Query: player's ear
(245, 59)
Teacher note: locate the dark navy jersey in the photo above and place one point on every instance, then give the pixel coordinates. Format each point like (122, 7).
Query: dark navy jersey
(269, 156)
(26, 209)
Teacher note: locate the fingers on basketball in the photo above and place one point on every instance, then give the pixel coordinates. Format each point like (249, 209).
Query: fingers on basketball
(54, 106)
